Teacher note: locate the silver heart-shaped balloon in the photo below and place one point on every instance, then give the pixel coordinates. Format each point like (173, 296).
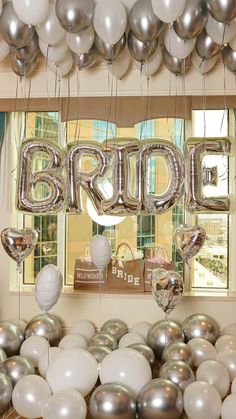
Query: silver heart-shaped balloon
(19, 243)
(189, 241)
(167, 288)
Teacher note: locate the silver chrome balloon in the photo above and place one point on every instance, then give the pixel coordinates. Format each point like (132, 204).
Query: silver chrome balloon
(29, 51)
(163, 333)
(17, 367)
(160, 399)
(16, 33)
(115, 327)
(110, 52)
(103, 339)
(75, 15)
(11, 338)
(22, 68)
(99, 352)
(167, 289)
(229, 58)
(222, 10)
(18, 244)
(3, 355)
(189, 241)
(178, 351)
(145, 351)
(204, 66)
(139, 50)
(144, 23)
(50, 176)
(87, 60)
(193, 19)
(178, 372)
(175, 65)
(200, 326)
(206, 47)
(45, 325)
(5, 392)
(113, 401)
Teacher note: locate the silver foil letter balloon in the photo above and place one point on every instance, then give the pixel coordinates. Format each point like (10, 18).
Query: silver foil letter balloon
(88, 180)
(30, 180)
(195, 150)
(151, 202)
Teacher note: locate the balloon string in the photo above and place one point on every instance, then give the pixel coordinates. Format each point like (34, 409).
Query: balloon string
(225, 100)
(68, 108)
(19, 270)
(116, 99)
(101, 274)
(204, 104)
(77, 127)
(47, 88)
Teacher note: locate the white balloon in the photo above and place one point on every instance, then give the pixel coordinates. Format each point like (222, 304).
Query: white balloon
(62, 68)
(31, 12)
(46, 359)
(81, 42)
(103, 220)
(100, 251)
(110, 19)
(4, 49)
(0, 7)
(84, 328)
(30, 395)
(201, 65)
(225, 342)
(33, 348)
(228, 407)
(168, 10)
(215, 373)
(228, 359)
(54, 53)
(202, 350)
(48, 287)
(233, 387)
(151, 66)
(176, 46)
(125, 366)
(232, 44)
(130, 338)
(230, 329)
(142, 328)
(67, 404)
(202, 400)
(73, 341)
(50, 30)
(73, 368)
(221, 33)
(118, 69)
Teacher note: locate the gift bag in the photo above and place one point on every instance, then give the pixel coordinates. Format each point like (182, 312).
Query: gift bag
(157, 258)
(125, 275)
(87, 277)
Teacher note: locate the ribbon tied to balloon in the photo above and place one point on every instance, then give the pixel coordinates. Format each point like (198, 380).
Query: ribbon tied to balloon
(189, 241)
(167, 289)
(18, 244)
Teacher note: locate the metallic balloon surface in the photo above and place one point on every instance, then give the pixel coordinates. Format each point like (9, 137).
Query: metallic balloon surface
(139, 50)
(5, 392)
(115, 327)
(22, 68)
(17, 367)
(175, 65)
(229, 58)
(3, 356)
(189, 241)
(87, 60)
(193, 19)
(45, 325)
(104, 339)
(222, 10)
(143, 22)
(167, 289)
(179, 373)
(204, 66)
(29, 51)
(163, 333)
(206, 47)
(160, 399)
(75, 15)
(110, 52)
(114, 401)
(99, 352)
(50, 177)
(19, 243)
(200, 326)
(178, 351)
(11, 338)
(12, 29)
(145, 351)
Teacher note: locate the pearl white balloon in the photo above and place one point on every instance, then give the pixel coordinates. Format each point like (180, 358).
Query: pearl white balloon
(225, 342)
(151, 66)
(126, 366)
(118, 69)
(62, 68)
(229, 329)
(30, 395)
(4, 49)
(201, 65)
(84, 328)
(219, 32)
(73, 368)
(142, 328)
(46, 359)
(215, 373)
(48, 287)
(168, 10)
(202, 401)
(50, 30)
(233, 387)
(176, 46)
(81, 42)
(100, 251)
(110, 19)
(54, 53)
(31, 12)
(130, 338)
(228, 359)
(202, 350)
(33, 348)
(67, 404)
(228, 407)
(73, 341)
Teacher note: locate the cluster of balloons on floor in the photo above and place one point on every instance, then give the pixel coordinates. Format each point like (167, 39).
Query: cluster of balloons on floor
(82, 33)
